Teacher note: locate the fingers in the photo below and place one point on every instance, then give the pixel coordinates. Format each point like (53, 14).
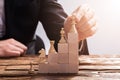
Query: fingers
(88, 16)
(17, 45)
(77, 14)
(80, 12)
(85, 23)
(12, 54)
(11, 47)
(15, 48)
(91, 32)
(86, 26)
(84, 18)
(87, 30)
(88, 33)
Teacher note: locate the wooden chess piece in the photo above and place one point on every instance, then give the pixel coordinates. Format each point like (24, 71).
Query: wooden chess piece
(73, 28)
(42, 56)
(42, 53)
(62, 32)
(52, 49)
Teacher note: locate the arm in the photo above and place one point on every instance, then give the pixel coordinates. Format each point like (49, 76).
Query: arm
(52, 17)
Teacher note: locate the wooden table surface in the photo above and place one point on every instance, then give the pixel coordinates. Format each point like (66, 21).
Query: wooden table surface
(91, 67)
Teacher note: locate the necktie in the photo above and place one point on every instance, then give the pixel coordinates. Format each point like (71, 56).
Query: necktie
(2, 26)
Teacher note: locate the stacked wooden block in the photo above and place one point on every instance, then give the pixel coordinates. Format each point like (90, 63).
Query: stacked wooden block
(66, 59)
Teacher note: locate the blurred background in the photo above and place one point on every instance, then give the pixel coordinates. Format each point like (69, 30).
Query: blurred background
(107, 38)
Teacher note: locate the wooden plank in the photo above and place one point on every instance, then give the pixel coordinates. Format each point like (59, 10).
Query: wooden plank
(60, 78)
(100, 56)
(20, 61)
(2, 68)
(15, 78)
(13, 73)
(100, 61)
(18, 67)
(99, 67)
(104, 60)
(92, 67)
(15, 62)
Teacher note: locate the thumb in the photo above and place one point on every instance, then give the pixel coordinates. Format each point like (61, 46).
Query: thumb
(80, 11)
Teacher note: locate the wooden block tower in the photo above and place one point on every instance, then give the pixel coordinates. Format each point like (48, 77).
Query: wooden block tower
(66, 59)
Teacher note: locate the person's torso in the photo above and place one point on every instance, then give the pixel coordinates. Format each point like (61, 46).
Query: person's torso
(21, 18)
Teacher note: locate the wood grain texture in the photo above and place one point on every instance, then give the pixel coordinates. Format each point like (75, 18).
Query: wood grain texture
(92, 67)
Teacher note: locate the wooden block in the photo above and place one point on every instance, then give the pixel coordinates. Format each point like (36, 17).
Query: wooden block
(43, 68)
(73, 68)
(72, 37)
(52, 58)
(73, 58)
(73, 47)
(63, 68)
(73, 42)
(53, 68)
(16, 78)
(63, 58)
(63, 48)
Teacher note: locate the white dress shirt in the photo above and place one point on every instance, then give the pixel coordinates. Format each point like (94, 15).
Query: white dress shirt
(2, 26)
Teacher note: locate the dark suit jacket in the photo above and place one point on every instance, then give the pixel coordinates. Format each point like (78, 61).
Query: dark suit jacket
(22, 16)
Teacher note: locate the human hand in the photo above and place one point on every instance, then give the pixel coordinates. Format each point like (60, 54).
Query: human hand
(11, 48)
(85, 22)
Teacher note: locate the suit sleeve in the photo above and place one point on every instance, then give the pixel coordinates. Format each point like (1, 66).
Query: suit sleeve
(52, 17)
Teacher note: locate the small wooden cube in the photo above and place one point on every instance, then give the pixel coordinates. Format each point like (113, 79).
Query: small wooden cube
(73, 68)
(52, 58)
(73, 47)
(63, 58)
(72, 38)
(73, 58)
(63, 48)
(43, 68)
(63, 68)
(53, 68)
